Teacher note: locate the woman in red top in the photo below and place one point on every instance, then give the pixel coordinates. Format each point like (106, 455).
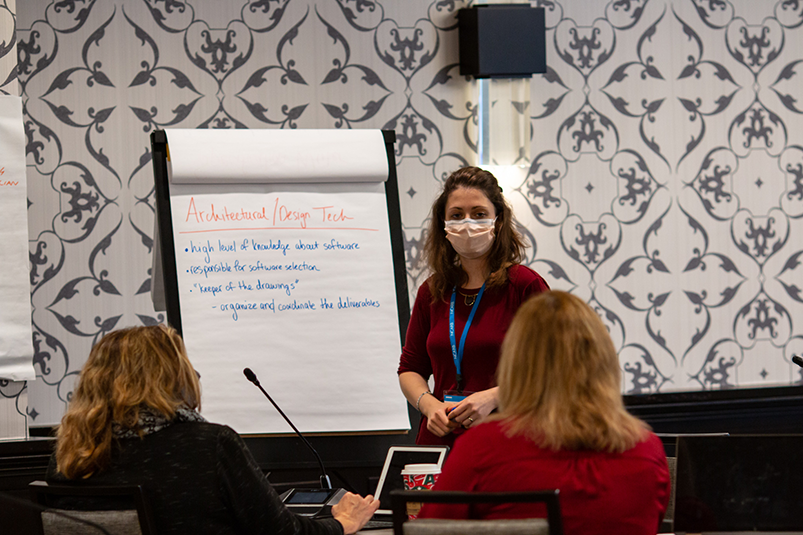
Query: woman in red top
(562, 425)
(474, 252)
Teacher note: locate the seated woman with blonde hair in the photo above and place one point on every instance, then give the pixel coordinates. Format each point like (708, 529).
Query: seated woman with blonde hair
(132, 420)
(562, 425)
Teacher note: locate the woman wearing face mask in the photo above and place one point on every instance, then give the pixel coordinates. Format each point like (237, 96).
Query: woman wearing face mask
(463, 310)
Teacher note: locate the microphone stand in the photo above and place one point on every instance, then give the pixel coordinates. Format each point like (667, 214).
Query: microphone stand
(325, 482)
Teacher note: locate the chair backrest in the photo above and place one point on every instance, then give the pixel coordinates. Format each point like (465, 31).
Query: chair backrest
(739, 483)
(118, 510)
(672, 463)
(399, 500)
(442, 526)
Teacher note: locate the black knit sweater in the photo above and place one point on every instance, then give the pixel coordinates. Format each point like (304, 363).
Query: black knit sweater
(201, 478)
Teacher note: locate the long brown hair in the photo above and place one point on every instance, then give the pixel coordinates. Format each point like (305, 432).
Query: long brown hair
(559, 378)
(126, 369)
(444, 262)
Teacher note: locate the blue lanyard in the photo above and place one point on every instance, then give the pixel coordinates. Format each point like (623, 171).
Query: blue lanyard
(457, 351)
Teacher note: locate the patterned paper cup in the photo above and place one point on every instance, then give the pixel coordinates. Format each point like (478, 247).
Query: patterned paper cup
(419, 477)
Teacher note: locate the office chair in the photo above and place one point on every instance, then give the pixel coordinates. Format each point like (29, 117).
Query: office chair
(552, 525)
(122, 510)
(667, 525)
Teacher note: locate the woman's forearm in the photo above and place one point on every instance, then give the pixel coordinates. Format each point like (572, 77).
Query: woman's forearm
(413, 386)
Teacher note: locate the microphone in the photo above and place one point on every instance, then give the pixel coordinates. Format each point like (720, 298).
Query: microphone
(797, 360)
(325, 483)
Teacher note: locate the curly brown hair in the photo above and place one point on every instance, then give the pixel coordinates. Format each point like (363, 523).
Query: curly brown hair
(125, 370)
(444, 262)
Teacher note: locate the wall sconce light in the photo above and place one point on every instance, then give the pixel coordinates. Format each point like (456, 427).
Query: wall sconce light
(502, 46)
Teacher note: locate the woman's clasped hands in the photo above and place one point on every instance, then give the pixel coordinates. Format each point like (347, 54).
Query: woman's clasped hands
(444, 417)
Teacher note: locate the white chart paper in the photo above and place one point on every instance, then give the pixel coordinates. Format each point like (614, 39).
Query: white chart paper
(296, 282)
(16, 346)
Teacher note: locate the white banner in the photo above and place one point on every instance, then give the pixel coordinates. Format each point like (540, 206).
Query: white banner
(16, 346)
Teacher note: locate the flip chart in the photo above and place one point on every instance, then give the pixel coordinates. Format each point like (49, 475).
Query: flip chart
(291, 276)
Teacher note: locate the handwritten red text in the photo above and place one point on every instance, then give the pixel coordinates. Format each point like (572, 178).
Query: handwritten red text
(330, 214)
(282, 213)
(223, 214)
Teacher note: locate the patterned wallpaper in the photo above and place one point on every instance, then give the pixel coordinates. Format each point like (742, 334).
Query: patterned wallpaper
(8, 43)
(665, 186)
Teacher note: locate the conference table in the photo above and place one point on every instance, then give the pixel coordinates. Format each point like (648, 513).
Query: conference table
(390, 532)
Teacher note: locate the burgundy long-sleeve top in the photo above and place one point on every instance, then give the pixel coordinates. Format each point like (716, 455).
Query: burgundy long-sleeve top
(427, 349)
(600, 493)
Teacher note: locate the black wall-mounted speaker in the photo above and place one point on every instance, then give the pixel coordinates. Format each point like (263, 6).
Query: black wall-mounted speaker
(502, 40)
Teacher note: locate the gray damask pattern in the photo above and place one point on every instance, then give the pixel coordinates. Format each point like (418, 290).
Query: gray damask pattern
(97, 77)
(670, 193)
(8, 42)
(666, 182)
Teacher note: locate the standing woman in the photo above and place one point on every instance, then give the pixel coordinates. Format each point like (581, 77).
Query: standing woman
(462, 311)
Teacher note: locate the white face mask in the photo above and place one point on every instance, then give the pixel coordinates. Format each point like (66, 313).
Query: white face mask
(471, 238)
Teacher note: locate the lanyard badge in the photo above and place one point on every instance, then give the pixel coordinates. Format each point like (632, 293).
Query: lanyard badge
(457, 351)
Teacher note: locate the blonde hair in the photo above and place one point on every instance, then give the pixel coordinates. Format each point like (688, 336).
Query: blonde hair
(126, 369)
(559, 378)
